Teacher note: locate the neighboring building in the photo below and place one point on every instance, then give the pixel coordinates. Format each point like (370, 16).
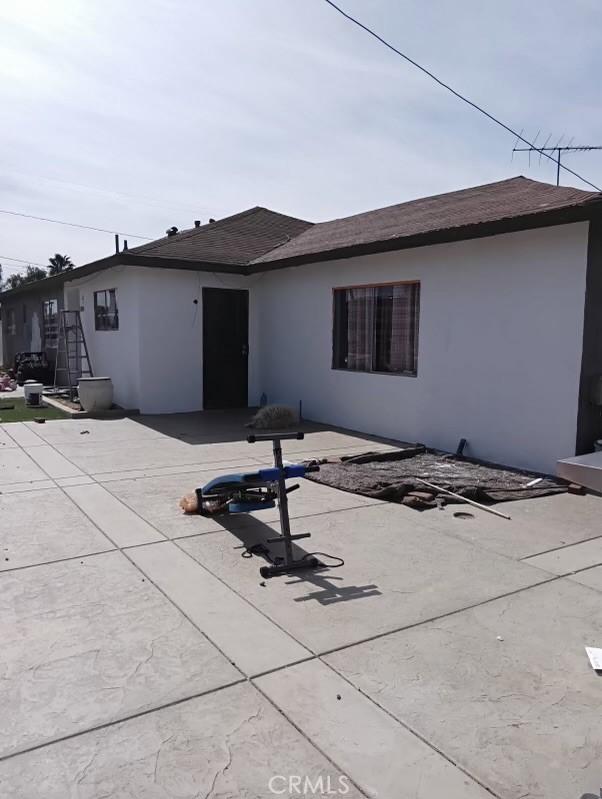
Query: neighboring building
(474, 314)
(30, 319)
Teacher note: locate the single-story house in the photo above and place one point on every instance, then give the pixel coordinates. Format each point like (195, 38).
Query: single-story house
(475, 314)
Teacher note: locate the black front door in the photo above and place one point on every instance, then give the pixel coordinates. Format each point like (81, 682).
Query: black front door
(225, 348)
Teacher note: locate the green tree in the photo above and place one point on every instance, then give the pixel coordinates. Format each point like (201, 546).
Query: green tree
(32, 274)
(59, 263)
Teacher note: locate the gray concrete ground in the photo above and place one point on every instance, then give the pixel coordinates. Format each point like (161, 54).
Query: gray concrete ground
(142, 656)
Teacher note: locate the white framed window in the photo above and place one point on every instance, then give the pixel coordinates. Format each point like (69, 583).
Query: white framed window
(51, 323)
(375, 328)
(106, 314)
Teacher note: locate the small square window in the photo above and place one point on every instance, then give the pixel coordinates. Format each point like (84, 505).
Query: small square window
(106, 315)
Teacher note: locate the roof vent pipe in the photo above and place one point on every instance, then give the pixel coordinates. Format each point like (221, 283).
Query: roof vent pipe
(171, 231)
(125, 245)
(212, 221)
(197, 222)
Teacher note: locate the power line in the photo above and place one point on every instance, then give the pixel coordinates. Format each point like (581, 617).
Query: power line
(74, 224)
(452, 90)
(20, 261)
(149, 200)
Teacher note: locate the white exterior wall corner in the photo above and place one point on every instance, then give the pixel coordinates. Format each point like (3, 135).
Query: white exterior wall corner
(500, 343)
(113, 353)
(155, 359)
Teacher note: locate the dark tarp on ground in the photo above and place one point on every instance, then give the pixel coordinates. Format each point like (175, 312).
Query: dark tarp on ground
(391, 475)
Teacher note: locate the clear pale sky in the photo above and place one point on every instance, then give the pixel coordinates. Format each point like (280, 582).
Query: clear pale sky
(135, 115)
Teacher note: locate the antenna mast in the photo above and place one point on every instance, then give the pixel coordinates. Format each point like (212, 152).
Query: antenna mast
(585, 148)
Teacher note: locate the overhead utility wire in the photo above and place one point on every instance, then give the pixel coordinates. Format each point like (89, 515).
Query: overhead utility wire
(74, 224)
(464, 99)
(19, 261)
(112, 192)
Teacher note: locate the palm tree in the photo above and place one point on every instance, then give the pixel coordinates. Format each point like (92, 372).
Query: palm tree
(59, 263)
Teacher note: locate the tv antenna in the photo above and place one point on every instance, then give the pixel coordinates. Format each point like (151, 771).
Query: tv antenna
(558, 149)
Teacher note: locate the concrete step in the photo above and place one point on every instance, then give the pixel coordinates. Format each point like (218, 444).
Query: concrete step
(585, 470)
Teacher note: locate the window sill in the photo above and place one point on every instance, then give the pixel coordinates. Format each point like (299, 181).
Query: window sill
(366, 372)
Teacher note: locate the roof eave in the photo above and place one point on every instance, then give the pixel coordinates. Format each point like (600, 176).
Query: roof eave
(463, 233)
(122, 259)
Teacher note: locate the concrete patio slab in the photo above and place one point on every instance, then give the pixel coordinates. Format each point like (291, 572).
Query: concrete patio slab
(396, 573)
(104, 456)
(17, 467)
(65, 482)
(536, 525)
(589, 577)
(97, 456)
(190, 468)
(242, 633)
(19, 488)
(228, 744)
(570, 559)
(65, 431)
(23, 435)
(52, 462)
(380, 756)
(523, 713)
(90, 642)
(7, 441)
(156, 500)
(119, 523)
(117, 675)
(45, 529)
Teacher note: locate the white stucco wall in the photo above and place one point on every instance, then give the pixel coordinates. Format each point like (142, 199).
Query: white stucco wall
(171, 346)
(155, 359)
(500, 340)
(113, 353)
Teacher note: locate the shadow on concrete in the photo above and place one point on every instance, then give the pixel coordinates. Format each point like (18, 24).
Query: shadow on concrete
(216, 427)
(253, 533)
(211, 427)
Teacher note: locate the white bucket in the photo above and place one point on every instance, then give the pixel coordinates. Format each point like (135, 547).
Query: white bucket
(32, 392)
(95, 393)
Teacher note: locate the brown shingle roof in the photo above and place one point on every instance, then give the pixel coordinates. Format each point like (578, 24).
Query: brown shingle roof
(235, 240)
(508, 199)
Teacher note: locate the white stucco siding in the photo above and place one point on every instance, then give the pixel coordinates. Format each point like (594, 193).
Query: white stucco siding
(171, 337)
(155, 359)
(113, 353)
(500, 341)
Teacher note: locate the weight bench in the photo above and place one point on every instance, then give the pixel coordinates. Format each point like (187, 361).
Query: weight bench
(250, 491)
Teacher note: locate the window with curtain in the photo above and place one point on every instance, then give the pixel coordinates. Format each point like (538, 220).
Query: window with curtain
(106, 316)
(376, 328)
(51, 328)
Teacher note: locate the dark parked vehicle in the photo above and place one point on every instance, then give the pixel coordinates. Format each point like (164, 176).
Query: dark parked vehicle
(33, 366)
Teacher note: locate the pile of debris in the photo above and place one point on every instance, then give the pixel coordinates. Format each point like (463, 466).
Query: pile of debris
(400, 476)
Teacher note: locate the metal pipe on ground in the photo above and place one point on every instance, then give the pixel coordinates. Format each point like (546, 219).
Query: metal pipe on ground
(464, 499)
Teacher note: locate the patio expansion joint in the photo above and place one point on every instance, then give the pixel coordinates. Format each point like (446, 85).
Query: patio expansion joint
(251, 678)
(562, 546)
(414, 732)
(146, 577)
(186, 468)
(549, 578)
(121, 720)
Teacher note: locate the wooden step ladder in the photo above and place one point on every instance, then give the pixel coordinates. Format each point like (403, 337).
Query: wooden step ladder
(72, 353)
